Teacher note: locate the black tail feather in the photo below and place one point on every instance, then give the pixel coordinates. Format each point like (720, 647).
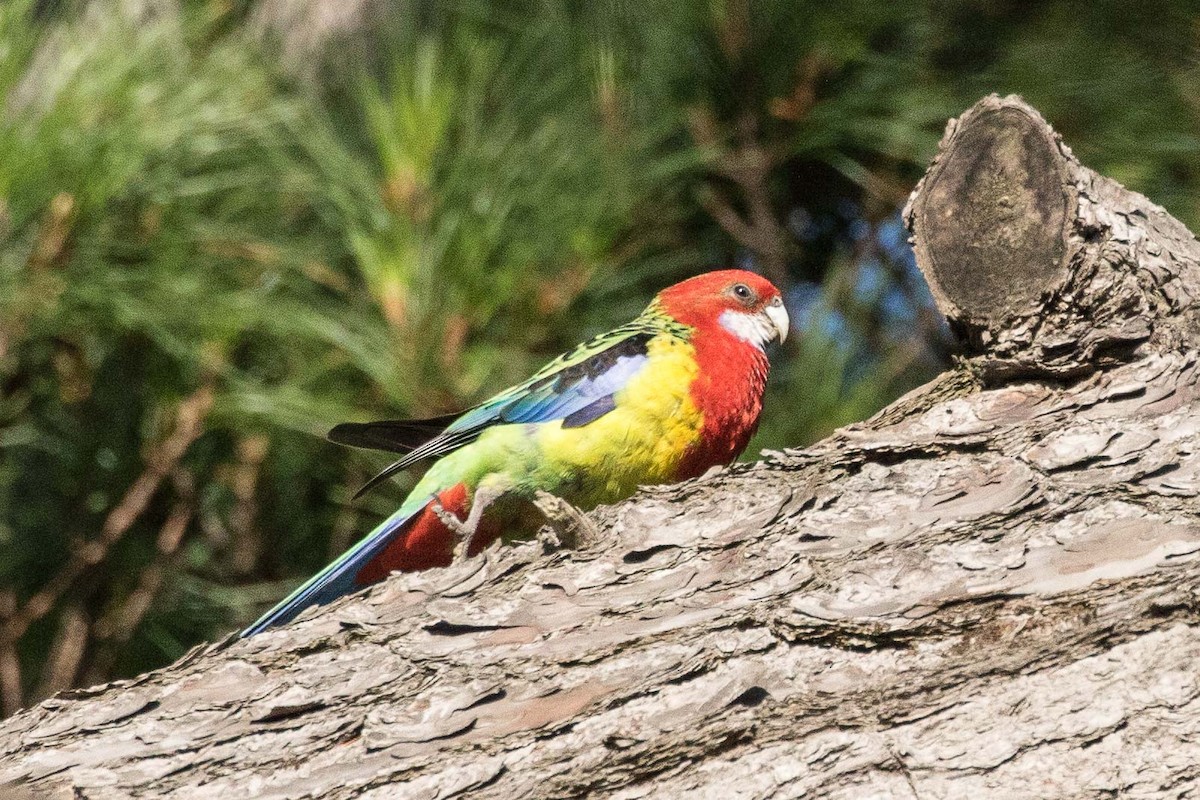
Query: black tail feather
(390, 435)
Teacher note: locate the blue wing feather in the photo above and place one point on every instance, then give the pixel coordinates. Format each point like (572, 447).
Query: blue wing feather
(337, 579)
(573, 390)
(590, 413)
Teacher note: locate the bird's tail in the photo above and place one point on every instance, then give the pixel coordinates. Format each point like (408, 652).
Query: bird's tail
(395, 545)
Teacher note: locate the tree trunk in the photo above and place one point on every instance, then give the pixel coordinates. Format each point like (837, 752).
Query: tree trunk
(987, 590)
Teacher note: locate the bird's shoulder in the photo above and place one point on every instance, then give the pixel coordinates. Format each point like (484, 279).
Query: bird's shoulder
(600, 353)
(604, 354)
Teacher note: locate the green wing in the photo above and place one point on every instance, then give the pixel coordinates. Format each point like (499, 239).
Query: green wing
(577, 387)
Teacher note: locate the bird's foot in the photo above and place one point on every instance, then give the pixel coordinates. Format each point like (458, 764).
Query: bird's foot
(451, 521)
(572, 529)
(485, 495)
(463, 530)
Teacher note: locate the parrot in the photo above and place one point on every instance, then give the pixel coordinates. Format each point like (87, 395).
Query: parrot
(663, 398)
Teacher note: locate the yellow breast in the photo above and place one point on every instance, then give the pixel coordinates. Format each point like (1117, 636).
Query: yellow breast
(640, 442)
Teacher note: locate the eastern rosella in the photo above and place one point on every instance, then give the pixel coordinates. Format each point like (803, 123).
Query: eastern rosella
(663, 398)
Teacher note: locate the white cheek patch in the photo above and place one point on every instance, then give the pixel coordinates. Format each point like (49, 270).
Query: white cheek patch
(756, 329)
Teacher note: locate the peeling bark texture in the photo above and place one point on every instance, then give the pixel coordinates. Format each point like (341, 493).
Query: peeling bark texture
(988, 590)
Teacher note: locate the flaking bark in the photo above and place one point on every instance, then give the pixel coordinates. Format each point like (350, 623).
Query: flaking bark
(987, 590)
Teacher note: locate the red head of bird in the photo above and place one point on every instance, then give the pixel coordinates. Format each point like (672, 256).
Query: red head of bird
(741, 304)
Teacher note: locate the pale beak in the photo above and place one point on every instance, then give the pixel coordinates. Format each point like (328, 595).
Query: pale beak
(778, 316)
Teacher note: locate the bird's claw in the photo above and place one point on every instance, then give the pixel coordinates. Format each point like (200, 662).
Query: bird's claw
(456, 526)
(572, 529)
(450, 520)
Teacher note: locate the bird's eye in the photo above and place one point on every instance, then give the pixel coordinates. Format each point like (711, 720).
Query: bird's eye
(742, 292)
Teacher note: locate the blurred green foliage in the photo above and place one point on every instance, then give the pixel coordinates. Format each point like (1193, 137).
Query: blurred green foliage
(220, 237)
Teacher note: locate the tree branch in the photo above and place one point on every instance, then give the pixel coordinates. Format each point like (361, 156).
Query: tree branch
(1043, 266)
(748, 166)
(990, 589)
(160, 462)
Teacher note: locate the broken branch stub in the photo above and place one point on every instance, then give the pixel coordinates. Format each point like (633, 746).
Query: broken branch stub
(1041, 265)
